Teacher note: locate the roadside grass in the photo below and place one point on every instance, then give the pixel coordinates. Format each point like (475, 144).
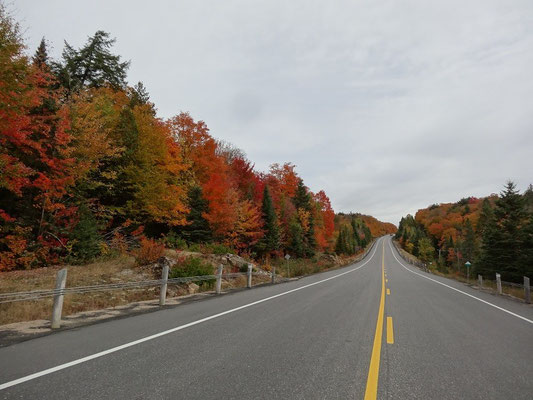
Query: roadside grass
(121, 269)
(124, 269)
(298, 267)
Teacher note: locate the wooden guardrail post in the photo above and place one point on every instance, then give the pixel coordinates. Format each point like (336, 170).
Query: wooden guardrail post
(219, 278)
(273, 274)
(164, 281)
(480, 280)
(527, 290)
(57, 309)
(499, 283)
(249, 276)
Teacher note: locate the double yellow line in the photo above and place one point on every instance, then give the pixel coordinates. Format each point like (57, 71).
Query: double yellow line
(371, 391)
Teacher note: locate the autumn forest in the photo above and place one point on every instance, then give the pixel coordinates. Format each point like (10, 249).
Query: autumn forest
(494, 234)
(88, 169)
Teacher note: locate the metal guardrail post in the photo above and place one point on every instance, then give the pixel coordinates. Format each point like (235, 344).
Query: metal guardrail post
(57, 309)
(480, 280)
(273, 274)
(164, 279)
(527, 290)
(249, 276)
(219, 278)
(499, 283)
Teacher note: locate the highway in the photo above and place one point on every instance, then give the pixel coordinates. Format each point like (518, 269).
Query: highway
(375, 329)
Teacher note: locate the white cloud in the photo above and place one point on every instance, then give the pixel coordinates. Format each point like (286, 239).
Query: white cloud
(387, 105)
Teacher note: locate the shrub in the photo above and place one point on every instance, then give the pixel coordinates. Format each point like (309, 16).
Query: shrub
(193, 266)
(149, 251)
(174, 241)
(119, 243)
(219, 249)
(197, 248)
(211, 248)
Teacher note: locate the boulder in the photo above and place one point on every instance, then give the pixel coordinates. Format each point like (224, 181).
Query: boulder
(192, 288)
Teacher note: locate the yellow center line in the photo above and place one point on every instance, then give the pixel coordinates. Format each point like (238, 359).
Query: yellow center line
(388, 291)
(371, 392)
(390, 331)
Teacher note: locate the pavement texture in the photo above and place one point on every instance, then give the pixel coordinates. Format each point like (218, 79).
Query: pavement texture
(313, 340)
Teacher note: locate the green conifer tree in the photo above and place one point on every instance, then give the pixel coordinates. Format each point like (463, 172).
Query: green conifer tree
(469, 247)
(92, 66)
(502, 236)
(271, 241)
(40, 58)
(296, 239)
(85, 238)
(197, 230)
(526, 255)
(302, 200)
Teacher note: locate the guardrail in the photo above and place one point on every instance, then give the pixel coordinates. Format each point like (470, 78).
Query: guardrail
(496, 286)
(61, 290)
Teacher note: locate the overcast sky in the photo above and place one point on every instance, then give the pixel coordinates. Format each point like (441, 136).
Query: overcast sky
(389, 106)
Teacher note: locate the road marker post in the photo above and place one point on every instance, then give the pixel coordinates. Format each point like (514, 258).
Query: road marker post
(527, 290)
(249, 281)
(219, 278)
(499, 283)
(273, 275)
(287, 258)
(164, 281)
(57, 308)
(480, 281)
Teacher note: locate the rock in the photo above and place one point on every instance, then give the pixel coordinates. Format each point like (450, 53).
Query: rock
(158, 266)
(192, 288)
(332, 258)
(182, 291)
(235, 261)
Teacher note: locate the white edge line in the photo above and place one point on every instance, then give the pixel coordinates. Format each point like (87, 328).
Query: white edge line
(460, 291)
(178, 328)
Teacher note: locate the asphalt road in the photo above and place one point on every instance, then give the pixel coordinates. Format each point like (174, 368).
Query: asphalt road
(317, 338)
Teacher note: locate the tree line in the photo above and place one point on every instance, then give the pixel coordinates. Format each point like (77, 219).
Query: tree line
(494, 234)
(87, 167)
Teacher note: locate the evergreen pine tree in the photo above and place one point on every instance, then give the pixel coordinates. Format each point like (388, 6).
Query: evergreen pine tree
(502, 236)
(139, 94)
(40, 58)
(468, 246)
(92, 66)
(367, 233)
(197, 230)
(339, 244)
(296, 242)
(528, 198)
(271, 241)
(302, 200)
(485, 216)
(526, 254)
(85, 237)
